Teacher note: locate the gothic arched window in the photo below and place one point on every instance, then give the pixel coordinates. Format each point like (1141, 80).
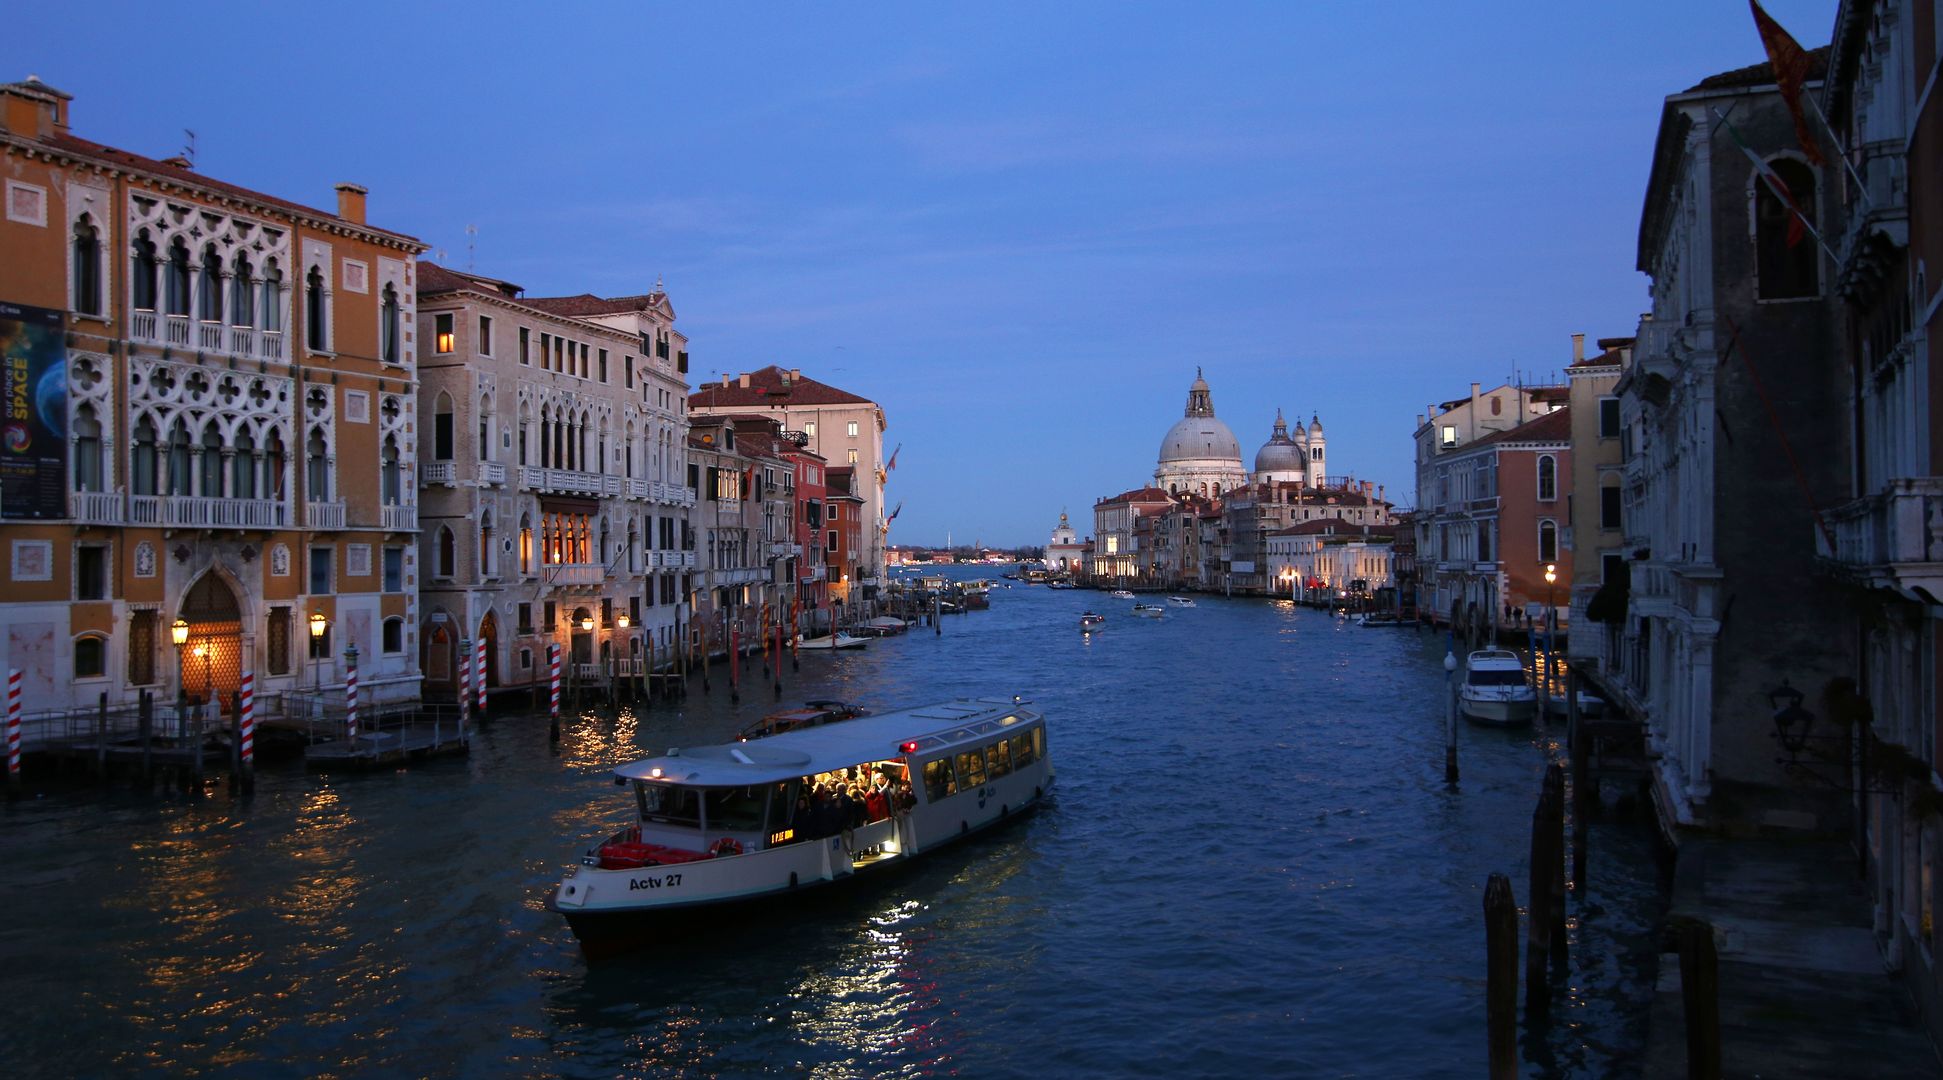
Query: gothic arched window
(87, 267)
(1787, 258)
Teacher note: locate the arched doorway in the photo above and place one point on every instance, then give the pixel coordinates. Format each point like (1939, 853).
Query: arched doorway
(581, 647)
(489, 633)
(212, 658)
(437, 663)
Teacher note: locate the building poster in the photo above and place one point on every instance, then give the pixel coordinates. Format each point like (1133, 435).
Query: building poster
(33, 413)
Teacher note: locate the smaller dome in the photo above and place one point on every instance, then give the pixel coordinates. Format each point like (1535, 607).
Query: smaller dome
(1315, 426)
(1279, 454)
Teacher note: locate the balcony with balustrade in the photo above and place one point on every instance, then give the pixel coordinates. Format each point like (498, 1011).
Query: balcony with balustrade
(184, 332)
(324, 515)
(1892, 539)
(97, 507)
(438, 472)
(567, 481)
(576, 575)
(203, 512)
(399, 518)
(490, 473)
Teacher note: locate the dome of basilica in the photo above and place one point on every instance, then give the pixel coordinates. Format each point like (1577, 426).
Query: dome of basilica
(1280, 454)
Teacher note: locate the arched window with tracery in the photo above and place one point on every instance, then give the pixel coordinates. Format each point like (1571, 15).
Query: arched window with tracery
(485, 427)
(142, 458)
(242, 292)
(316, 315)
(391, 481)
(180, 480)
(209, 287)
(1547, 478)
(272, 297)
(212, 464)
(88, 472)
(275, 460)
(486, 561)
(87, 266)
(242, 481)
(525, 544)
(142, 269)
(389, 321)
(178, 278)
(1787, 258)
(448, 555)
(442, 427)
(317, 467)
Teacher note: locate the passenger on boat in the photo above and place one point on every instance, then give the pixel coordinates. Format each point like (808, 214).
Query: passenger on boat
(907, 800)
(877, 806)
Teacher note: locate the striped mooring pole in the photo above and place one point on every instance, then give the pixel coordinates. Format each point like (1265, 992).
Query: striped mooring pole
(479, 673)
(351, 693)
(246, 724)
(553, 689)
(465, 679)
(13, 732)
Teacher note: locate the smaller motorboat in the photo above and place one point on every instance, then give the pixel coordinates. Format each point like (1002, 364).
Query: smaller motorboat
(1181, 601)
(1121, 594)
(1378, 618)
(812, 714)
(1090, 621)
(837, 640)
(1148, 611)
(882, 626)
(1494, 691)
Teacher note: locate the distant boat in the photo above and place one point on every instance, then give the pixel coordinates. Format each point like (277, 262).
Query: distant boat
(1181, 601)
(1121, 594)
(831, 641)
(882, 626)
(1379, 618)
(1494, 691)
(1149, 611)
(812, 714)
(1090, 621)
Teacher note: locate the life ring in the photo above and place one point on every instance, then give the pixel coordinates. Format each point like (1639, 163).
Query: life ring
(726, 846)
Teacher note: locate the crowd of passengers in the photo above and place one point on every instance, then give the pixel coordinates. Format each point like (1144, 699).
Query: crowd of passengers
(834, 802)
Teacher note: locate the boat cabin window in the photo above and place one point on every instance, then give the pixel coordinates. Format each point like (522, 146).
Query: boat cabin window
(998, 759)
(1022, 754)
(734, 809)
(971, 769)
(939, 781)
(1497, 678)
(674, 805)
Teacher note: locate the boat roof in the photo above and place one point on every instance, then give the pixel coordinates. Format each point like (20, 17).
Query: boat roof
(1494, 658)
(830, 746)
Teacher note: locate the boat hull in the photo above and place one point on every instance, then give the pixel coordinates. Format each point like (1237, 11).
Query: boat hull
(606, 931)
(1498, 712)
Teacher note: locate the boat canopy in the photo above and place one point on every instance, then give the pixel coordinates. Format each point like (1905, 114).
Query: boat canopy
(828, 747)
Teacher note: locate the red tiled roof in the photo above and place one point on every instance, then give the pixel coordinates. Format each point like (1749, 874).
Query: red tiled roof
(433, 278)
(74, 144)
(1320, 525)
(1146, 494)
(1551, 393)
(766, 389)
(589, 304)
(1555, 426)
(1609, 358)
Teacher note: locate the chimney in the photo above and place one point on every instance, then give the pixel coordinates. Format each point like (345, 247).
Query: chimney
(350, 203)
(744, 381)
(725, 380)
(32, 108)
(796, 374)
(1476, 388)
(1578, 347)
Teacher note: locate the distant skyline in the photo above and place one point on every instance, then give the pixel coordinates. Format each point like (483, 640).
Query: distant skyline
(1018, 227)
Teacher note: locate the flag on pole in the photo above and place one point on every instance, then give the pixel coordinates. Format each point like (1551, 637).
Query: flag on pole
(894, 513)
(1791, 65)
(892, 463)
(1799, 225)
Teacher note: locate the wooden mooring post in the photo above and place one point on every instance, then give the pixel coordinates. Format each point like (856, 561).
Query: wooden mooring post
(145, 728)
(101, 738)
(1700, 995)
(1501, 976)
(1544, 931)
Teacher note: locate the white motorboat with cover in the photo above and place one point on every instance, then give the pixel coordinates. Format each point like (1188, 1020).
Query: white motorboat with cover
(1121, 594)
(1494, 691)
(838, 640)
(1149, 611)
(719, 826)
(1181, 601)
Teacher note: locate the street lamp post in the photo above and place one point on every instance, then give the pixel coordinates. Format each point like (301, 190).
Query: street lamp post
(318, 624)
(1551, 577)
(179, 633)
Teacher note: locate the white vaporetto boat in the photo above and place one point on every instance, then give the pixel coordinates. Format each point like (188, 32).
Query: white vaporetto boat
(718, 826)
(1494, 691)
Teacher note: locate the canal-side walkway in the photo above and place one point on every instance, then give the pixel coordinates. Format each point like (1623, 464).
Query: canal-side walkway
(1803, 989)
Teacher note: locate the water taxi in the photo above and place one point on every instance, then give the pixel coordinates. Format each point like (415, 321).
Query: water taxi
(1494, 691)
(1148, 611)
(1091, 621)
(882, 626)
(1121, 594)
(715, 827)
(1181, 601)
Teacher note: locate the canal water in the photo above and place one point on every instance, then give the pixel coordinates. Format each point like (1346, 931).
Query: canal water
(1252, 865)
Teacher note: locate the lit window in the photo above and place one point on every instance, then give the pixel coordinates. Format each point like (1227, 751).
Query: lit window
(810, 429)
(853, 457)
(852, 426)
(442, 333)
(1450, 435)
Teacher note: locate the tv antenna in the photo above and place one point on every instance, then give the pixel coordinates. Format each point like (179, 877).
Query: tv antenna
(189, 148)
(472, 235)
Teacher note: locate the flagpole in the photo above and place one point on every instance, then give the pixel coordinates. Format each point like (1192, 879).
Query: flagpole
(1766, 172)
(1861, 188)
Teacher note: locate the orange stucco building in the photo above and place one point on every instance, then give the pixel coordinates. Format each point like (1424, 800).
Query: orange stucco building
(223, 430)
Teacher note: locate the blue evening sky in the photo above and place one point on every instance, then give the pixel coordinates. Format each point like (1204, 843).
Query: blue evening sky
(1018, 226)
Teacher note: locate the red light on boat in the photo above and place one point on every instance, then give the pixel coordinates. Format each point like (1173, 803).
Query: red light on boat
(909, 747)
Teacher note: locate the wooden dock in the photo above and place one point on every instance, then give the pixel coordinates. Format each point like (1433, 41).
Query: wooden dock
(411, 740)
